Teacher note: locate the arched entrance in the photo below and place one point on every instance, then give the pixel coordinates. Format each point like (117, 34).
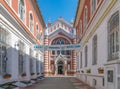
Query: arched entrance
(60, 68)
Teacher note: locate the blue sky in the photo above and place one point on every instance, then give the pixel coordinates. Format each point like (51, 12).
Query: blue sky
(53, 9)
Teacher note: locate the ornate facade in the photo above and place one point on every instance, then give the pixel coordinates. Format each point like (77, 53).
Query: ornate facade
(60, 62)
(97, 24)
(21, 27)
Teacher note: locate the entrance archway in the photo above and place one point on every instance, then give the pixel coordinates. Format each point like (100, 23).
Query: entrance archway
(60, 66)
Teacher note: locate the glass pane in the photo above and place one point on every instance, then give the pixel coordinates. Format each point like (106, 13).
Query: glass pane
(58, 52)
(110, 75)
(62, 52)
(4, 59)
(68, 52)
(53, 52)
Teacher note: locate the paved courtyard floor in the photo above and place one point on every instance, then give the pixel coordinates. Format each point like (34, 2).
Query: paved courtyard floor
(58, 83)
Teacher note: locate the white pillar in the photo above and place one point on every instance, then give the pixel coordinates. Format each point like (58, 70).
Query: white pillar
(65, 67)
(27, 63)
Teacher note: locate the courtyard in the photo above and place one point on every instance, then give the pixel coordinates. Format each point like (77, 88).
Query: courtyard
(58, 83)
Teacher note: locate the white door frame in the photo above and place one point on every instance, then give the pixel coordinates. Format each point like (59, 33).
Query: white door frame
(111, 82)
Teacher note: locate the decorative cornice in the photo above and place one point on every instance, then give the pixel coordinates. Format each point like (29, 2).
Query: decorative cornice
(78, 12)
(16, 25)
(37, 9)
(99, 21)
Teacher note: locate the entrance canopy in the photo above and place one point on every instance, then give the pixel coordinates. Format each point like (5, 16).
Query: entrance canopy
(57, 47)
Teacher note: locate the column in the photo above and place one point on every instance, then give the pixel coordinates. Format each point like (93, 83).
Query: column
(74, 58)
(65, 67)
(46, 58)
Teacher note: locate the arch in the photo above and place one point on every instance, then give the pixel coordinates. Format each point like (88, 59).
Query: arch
(60, 37)
(60, 62)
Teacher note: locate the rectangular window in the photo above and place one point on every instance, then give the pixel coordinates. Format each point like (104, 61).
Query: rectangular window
(94, 62)
(110, 76)
(86, 54)
(3, 50)
(53, 52)
(81, 60)
(94, 4)
(37, 33)
(3, 59)
(68, 52)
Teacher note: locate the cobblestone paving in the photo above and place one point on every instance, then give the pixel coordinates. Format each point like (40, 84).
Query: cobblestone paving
(58, 83)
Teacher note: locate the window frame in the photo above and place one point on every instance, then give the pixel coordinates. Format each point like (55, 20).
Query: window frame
(113, 38)
(21, 59)
(31, 22)
(94, 50)
(3, 43)
(86, 56)
(85, 17)
(22, 10)
(92, 11)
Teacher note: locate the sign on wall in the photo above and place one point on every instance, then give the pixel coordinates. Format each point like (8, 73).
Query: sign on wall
(57, 47)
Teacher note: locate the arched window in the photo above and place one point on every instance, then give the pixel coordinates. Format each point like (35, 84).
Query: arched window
(93, 6)
(81, 27)
(60, 42)
(113, 27)
(94, 50)
(22, 10)
(37, 35)
(85, 16)
(62, 51)
(31, 23)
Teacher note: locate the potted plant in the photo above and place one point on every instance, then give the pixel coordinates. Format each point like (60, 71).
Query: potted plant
(88, 71)
(6, 76)
(53, 72)
(69, 72)
(82, 71)
(32, 74)
(100, 70)
(23, 74)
